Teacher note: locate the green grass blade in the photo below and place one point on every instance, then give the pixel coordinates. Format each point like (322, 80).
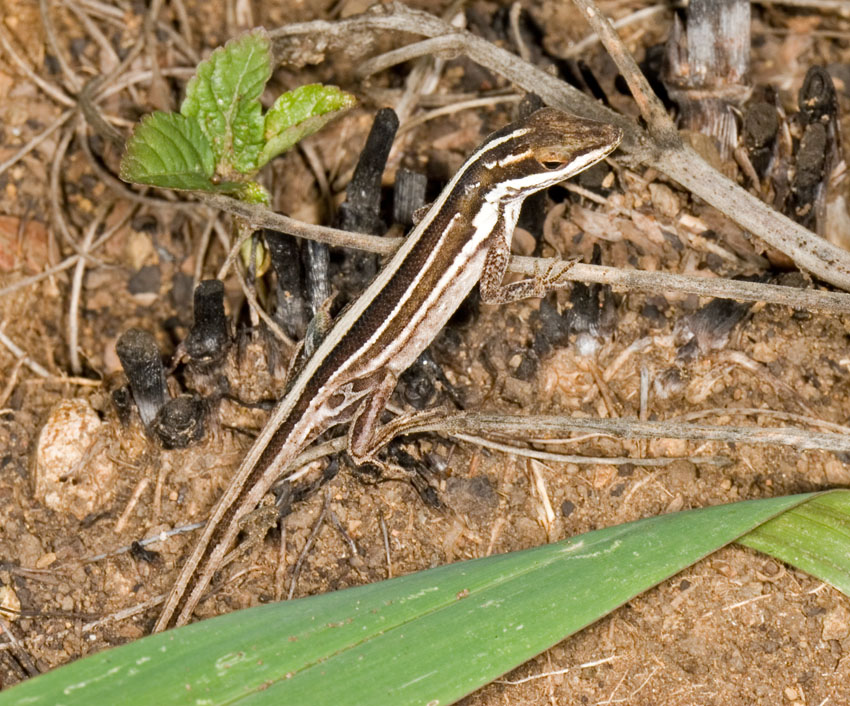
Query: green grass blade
(299, 113)
(814, 537)
(224, 97)
(430, 637)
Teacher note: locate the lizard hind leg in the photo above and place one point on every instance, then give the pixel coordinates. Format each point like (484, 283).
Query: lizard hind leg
(365, 439)
(367, 436)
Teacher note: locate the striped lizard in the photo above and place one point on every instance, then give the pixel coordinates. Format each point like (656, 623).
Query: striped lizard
(464, 238)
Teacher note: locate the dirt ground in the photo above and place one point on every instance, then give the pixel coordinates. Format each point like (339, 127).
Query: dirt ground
(736, 628)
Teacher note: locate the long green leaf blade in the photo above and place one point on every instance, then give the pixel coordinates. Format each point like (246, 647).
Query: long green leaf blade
(814, 537)
(299, 113)
(224, 97)
(429, 637)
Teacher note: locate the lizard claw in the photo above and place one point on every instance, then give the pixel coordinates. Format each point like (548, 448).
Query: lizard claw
(554, 276)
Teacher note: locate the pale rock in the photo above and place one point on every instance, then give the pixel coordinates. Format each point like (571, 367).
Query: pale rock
(72, 473)
(836, 624)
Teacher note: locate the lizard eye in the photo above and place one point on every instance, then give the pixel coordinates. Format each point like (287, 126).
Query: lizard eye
(552, 164)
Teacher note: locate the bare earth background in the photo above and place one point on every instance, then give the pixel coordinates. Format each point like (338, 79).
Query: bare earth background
(737, 628)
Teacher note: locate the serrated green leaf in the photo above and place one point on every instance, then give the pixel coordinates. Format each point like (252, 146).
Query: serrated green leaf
(224, 97)
(299, 113)
(169, 150)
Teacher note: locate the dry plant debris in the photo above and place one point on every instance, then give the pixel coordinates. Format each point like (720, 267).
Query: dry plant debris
(83, 258)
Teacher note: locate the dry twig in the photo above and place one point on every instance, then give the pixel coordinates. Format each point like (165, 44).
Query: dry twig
(671, 157)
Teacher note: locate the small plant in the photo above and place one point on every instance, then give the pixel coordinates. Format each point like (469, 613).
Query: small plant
(221, 138)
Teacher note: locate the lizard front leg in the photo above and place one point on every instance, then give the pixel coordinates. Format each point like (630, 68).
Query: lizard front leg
(494, 291)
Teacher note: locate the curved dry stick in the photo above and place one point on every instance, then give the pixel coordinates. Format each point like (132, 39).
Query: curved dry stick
(634, 18)
(246, 289)
(55, 93)
(37, 140)
(76, 291)
(261, 217)
(55, 189)
(73, 79)
(528, 427)
(89, 245)
(444, 47)
(309, 41)
(633, 280)
(453, 108)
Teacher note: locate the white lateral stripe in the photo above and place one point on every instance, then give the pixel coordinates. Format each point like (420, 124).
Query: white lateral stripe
(354, 313)
(481, 232)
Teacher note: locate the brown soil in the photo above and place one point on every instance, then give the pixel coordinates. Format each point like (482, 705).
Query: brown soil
(737, 628)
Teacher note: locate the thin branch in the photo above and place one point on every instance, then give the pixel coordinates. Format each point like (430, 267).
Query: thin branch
(513, 19)
(20, 354)
(758, 411)
(19, 650)
(247, 290)
(6, 393)
(89, 246)
(633, 280)
(74, 80)
(661, 126)
(232, 249)
(453, 108)
(200, 255)
(529, 427)
(34, 279)
(387, 551)
(303, 555)
(652, 282)
(55, 190)
(679, 162)
(37, 140)
(183, 22)
(261, 217)
(447, 47)
(581, 460)
(92, 29)
(540, 428)
(635, 17)
(76, 291)
(158, 537)
(50, 89)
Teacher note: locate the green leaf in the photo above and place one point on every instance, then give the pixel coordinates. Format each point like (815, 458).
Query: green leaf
(429, 637)
(299, 113)
(224, 97)
(814, 537)
(168, 150)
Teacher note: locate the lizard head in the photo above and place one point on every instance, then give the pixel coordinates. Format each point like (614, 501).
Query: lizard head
(544, 149)
(561, 142)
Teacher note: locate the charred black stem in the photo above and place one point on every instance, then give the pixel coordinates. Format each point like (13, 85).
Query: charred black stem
(140, 357)
(209, 337)
(361, 211)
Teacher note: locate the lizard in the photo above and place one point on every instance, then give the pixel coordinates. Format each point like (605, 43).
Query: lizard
(463, 239)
